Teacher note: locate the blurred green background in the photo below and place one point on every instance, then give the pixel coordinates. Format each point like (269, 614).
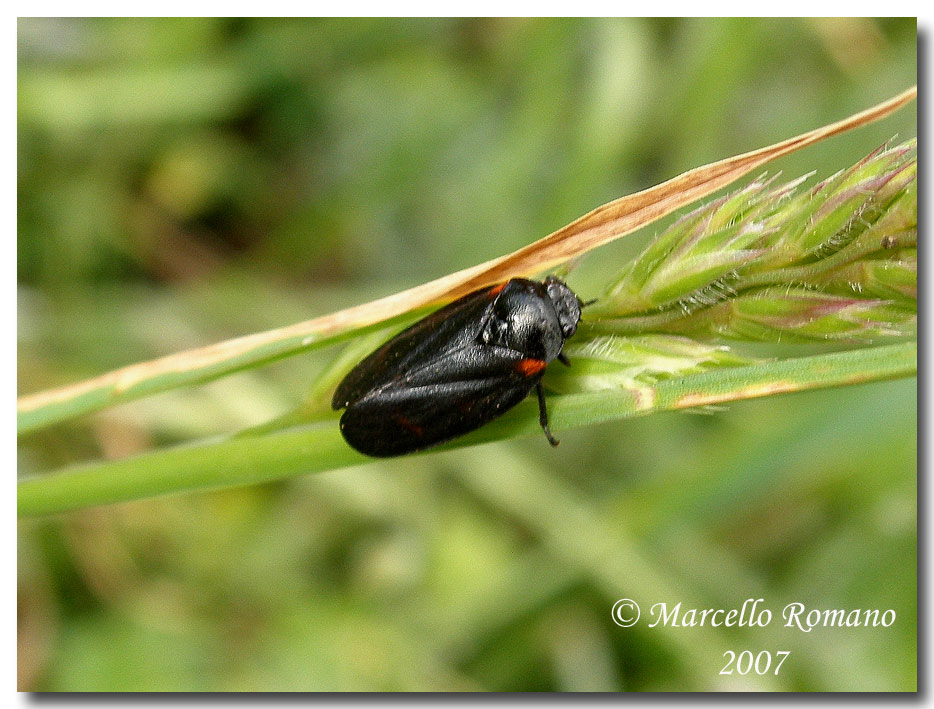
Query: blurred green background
(185, 181)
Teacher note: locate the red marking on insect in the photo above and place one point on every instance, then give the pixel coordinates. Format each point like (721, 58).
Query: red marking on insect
(409, 425)
(495, 290)
(529, 367)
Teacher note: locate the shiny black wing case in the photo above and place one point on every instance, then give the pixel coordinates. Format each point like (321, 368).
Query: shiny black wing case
(432, 382)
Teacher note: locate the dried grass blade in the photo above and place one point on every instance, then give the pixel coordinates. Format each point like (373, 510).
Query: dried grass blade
(600, 226)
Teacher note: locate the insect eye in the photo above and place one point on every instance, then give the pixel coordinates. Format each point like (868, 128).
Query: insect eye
(567, 306)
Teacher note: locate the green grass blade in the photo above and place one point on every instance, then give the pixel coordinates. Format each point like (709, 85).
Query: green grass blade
(611, 221)
(297, 451)
(36, 411)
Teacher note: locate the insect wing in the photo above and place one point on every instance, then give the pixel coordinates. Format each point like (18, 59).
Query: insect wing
(446, 330)
(437, 402)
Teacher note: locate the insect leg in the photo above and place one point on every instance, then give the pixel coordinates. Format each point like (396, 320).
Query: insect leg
(564, 359)
(543, 414)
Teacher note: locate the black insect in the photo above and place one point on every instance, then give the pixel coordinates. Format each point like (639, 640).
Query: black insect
(458, 368)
